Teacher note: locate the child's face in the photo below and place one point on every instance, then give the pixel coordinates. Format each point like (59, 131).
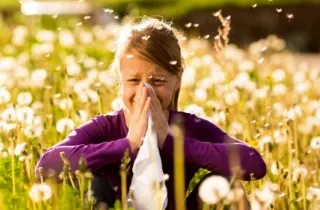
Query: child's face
(135, 70)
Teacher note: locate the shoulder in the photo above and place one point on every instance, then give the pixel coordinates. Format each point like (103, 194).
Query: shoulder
(190, 118)
(102, 122)
(199, 126)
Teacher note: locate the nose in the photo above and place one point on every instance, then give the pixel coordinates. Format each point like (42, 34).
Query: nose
(149, 87)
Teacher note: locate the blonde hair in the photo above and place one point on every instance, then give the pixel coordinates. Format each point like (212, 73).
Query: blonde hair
(162, 47)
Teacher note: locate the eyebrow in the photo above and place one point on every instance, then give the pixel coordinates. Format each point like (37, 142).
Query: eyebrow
(153, 74)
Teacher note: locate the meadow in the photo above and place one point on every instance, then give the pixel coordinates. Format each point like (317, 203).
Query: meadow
(54, 79)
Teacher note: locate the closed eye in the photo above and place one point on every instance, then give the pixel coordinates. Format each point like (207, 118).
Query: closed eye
(133, 80)
(159, 81)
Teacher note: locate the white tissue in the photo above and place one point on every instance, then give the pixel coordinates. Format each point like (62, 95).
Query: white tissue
(147, 173)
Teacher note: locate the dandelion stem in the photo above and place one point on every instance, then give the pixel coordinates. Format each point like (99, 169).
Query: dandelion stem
(179, 178)
(304, 193)
(99, 102)
(123, 176)
(13, 168)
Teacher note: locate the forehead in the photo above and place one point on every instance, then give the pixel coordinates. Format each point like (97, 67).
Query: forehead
(135, 66)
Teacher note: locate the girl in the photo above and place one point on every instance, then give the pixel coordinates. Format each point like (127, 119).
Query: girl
(149, 52)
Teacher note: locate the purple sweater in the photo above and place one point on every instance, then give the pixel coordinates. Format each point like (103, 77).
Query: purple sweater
(103, 142)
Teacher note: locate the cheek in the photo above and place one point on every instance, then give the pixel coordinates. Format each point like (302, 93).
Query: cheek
(128, 94)
(164, 97)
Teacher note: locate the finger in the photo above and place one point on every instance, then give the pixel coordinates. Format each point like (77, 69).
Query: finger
(139, 89)
(154, 113)
(146, 107)
(155, 101)
(142, 98)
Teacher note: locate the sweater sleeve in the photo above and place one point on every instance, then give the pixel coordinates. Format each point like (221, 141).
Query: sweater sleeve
(213, 149)
(90, 140)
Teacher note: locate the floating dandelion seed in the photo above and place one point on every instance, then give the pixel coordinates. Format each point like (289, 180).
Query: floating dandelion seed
(290, 16)
(196, 25)
(264, 48)
(188, 25)
(79, 24)
(145, 37)
(87, 17)
(255, 5)
(108, 11)
(279, 10)
(159, 27)
(261, 60)
(173, 62)
(129, 56)
(216, 14)
(207, 36)
(165, 177)
(40, 192)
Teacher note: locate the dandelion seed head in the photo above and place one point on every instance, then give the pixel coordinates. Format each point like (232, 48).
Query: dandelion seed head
(19, 148)
(25, 114)
(4, 96)
(24, 98)
(40, 192)
(200, 94)
(313, 193)
(315, 143)
(9, 114)
(213, 189)
(65, 124)
(65, 103)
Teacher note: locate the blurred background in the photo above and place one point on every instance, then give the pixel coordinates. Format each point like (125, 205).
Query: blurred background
(296, 21)
(55, 75)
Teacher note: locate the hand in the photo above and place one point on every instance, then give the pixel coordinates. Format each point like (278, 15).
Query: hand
(160, 122)
(139, 119)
